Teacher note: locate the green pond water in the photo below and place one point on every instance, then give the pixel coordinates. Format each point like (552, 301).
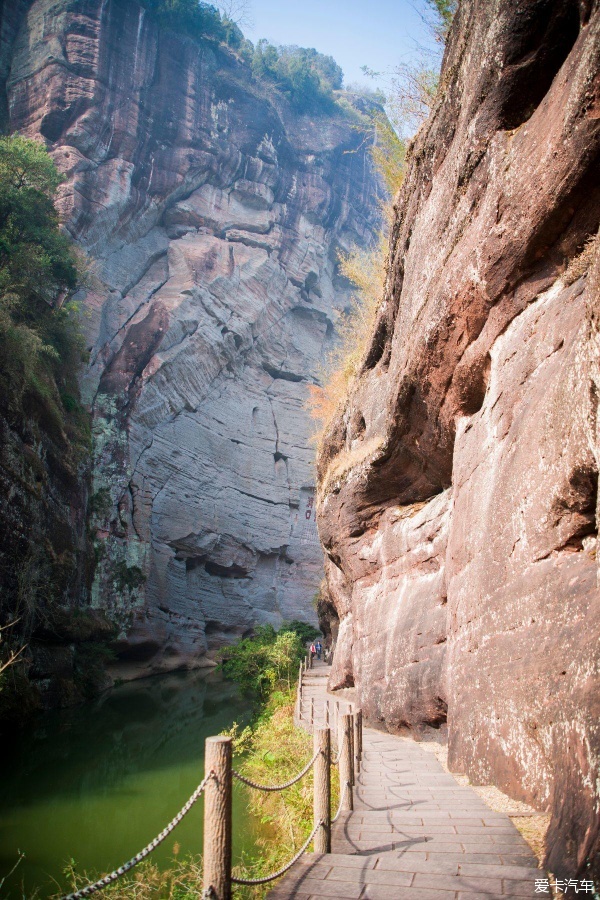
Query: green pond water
(97, 783)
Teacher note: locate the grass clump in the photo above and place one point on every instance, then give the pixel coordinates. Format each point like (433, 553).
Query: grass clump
(147, 881)
(128, 578)
(275, 751)
(581, 263)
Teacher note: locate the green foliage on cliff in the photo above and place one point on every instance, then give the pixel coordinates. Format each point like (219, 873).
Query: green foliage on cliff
(40, 344)
(304, 630)
(306, 77)
(128, 578)
(45, 429)
(197, 20)
(388, 152)
(36, 261)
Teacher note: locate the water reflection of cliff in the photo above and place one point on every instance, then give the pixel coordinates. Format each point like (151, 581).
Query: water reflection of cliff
(142, 726)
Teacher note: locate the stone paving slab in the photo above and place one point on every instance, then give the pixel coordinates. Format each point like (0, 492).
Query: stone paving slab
(414, 834)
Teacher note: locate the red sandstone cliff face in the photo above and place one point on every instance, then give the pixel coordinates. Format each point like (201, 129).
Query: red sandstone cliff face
(459, 488)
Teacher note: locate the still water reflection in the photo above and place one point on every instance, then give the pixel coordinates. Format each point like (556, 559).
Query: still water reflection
(97, 783)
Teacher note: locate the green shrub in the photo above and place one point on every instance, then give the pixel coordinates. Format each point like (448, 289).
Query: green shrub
(128, 577)
(100, 502)
(264, 662)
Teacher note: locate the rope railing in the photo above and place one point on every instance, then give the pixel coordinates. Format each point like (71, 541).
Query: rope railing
(217, 786)
(343, 796)
(276, 787)
(126, 867)
(265, 879)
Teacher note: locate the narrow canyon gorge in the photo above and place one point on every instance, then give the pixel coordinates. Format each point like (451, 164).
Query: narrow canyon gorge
(453, 503)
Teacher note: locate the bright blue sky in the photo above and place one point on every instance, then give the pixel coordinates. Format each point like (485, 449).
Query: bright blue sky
(376, 33)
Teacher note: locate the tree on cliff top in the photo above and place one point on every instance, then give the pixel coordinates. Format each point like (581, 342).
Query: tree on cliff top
(306, 77)
(197, 20)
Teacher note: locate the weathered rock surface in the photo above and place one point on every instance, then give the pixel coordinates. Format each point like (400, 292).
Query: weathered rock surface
(214, 214)
(458, 498)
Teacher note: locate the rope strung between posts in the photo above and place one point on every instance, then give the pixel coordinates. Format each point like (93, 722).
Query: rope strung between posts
(342, 798)
(108, 879)
(276, 787)
(282, 871)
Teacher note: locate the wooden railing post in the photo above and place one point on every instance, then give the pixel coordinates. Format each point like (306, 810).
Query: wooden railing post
(352, 747)
(357, 738)
(345, 752)
(299, 693)
(312, 710)
(217, 819)
(322, 790)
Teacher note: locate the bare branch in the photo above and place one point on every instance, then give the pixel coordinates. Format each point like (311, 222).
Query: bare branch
(13, 657)
(237, 11)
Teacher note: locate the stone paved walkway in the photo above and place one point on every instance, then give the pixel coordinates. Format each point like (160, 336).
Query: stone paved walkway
(415, 833)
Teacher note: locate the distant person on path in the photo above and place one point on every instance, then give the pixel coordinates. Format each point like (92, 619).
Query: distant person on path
(312, 651)
(319, 649)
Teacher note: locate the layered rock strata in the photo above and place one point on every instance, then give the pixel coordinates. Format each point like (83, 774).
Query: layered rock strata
(214, 214)
(458, 500)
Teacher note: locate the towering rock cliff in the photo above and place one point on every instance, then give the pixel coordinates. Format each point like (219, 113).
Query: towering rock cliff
(214, 214)
(458, 500)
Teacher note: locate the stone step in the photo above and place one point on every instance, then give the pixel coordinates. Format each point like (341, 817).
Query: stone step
(415, 833)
